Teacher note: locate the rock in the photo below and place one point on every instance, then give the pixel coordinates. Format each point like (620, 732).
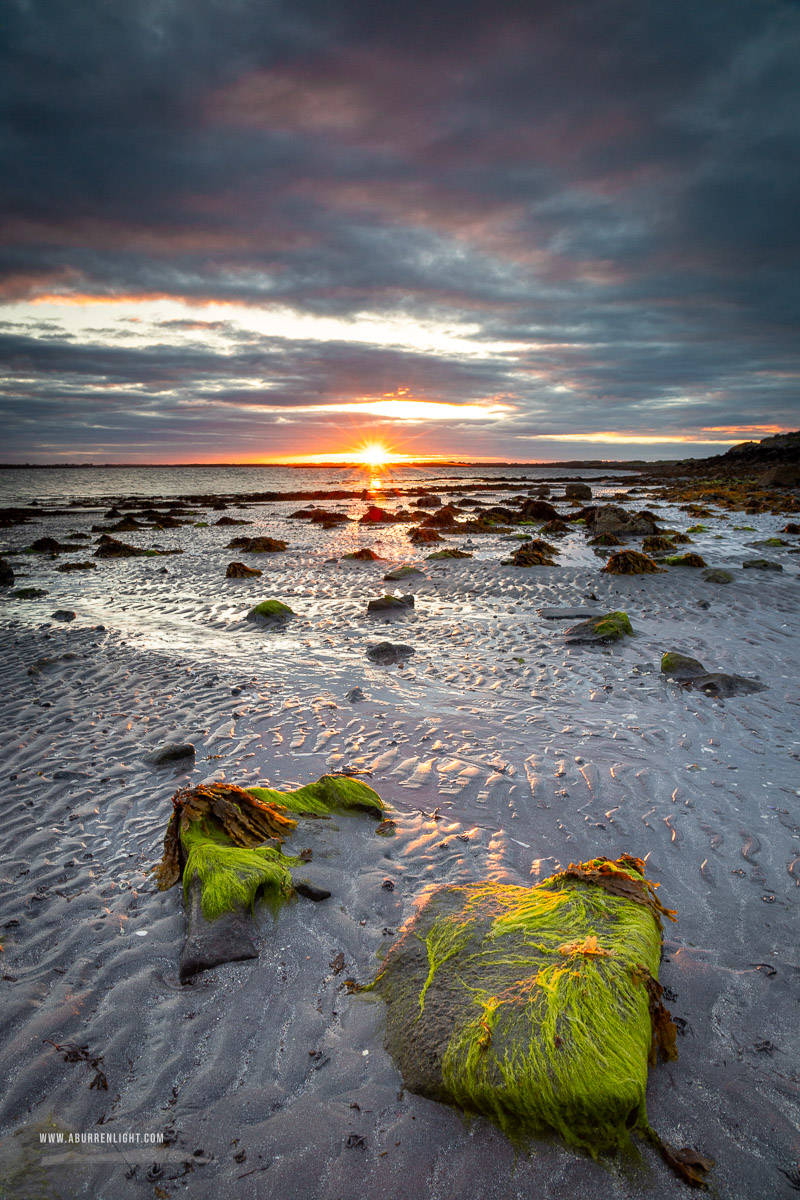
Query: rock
(443, 518)
(391, 604)
(6, 573)
(270, 612)
(630, 562)
(760, 564)
(387, 653)
(785, 475)
(237, 570)
(685, 560)
(657, 544)
(428, 502)
(228, 938)
(378, 516)
(77, 566)
(717, 575)
(610, 627)
(109, 547)
(691, 673)
(365, 555)
(533, 1005)
(535, 553)
(610, 518)
(257, 545)
(63, 614)
(605, 539)
(566, 614)
(401, 573)
(311, 892)
(420, 537)
(578, 491)
(791, 527)
(555, 527)
(354, 695)
(449, 553)
(171, 752)
(232, 521)
(28, 593)
(48, 545)
(538, 510)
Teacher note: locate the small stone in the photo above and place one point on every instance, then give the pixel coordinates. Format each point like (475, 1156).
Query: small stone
(385, 654)
(63, 614)
(170, 753)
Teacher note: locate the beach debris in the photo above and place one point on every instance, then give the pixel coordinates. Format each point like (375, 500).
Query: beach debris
(63, 614)
(365, 555)
(630, 562)
(399, 573)
(451, 552)
(421, 536)
(717, 575)
(391, 604)
(6, 573)
(77, 566)
(257, 545)
(608, 627)
(71, 1052)
(577, 491)
(535, 553)
(685, 560)
(539, 1007)
(270, 612)
(225, 843)
(171, 752)
(237, 570)
(385, 654)
(690, 672)
(760, 564)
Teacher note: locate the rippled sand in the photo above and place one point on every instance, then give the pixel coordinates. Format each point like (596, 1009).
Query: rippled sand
(500, 751)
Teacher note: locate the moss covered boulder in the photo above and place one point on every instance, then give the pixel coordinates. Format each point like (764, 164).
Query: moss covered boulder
(685, 560)
(270, 612)
(257, 545)
(717, 575)
(398, 573)
(610, 627)
(440, 555)
(537, 1007)
(397, 605)
(760, 564)
(690, 672)
(630, 562)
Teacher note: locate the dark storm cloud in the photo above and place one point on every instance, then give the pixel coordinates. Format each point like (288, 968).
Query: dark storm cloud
(618, 179)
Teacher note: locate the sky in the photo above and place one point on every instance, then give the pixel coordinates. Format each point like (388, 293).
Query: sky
(531, 230)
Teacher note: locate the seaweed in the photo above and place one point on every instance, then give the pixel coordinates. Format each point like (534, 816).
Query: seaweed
(331, 793)
(630, 562)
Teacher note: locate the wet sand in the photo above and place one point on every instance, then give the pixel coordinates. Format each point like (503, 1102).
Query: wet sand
(500, 750)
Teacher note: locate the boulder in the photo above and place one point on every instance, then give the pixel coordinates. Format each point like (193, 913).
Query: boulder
(378, 516)
(760, 564)
(691, 673)
(109, 547)
(420, 537)
(717, 575)
(685, 560)
(538, 510)
(270, 612)
(391, 604)
(608, 627)
(6, 573)
(237, 570)
(578, 491)
(63, 614)
(610, 518)
(399, 573)
(785, 475)
(228, 938)
(170, 753)
(257, 545)
(449, 553)
(385, 654)
(365, 555)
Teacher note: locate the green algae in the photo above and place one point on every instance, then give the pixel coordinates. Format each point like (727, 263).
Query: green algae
(613, 626)
(685, 560)
(270, 610)
(331, 793)
(28, 593)
(230, 876)
(441, 554)
(680, 665)
(537, 1007)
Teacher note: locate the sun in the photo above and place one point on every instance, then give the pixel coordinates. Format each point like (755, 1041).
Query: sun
(374, 455)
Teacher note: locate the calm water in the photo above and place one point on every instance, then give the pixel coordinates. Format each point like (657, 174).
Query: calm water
(60, 485)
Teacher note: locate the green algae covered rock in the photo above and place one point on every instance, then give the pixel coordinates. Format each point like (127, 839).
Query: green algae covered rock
(330, 794)
(610, 627)
(444, 554)
(271, 611)
(537, 1007)
(717, 575)
(399, 573)
(681, 666)
(685, 560)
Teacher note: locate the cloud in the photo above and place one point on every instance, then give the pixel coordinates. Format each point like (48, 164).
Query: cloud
(608, 190)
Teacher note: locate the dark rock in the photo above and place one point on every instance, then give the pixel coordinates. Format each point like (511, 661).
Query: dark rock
(170, 753)
(109, 547)
(230, 938)
(578, 491)
(420, 537)
(392, 604)
(387, 653)
(6, 573)
(610, 518)
(354, 695)
(538, 510)
(365, 555)
(63, 614)
(785, 475)
(378, 516)
(257, 545)
(449, 553)
(399, 573)
(717, 575)
(760, 564)
(535, 553)
(691, 673)
(311, 892)
(231, 521)
(566, 614)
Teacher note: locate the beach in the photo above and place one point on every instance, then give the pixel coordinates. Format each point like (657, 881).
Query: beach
(502, 749)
